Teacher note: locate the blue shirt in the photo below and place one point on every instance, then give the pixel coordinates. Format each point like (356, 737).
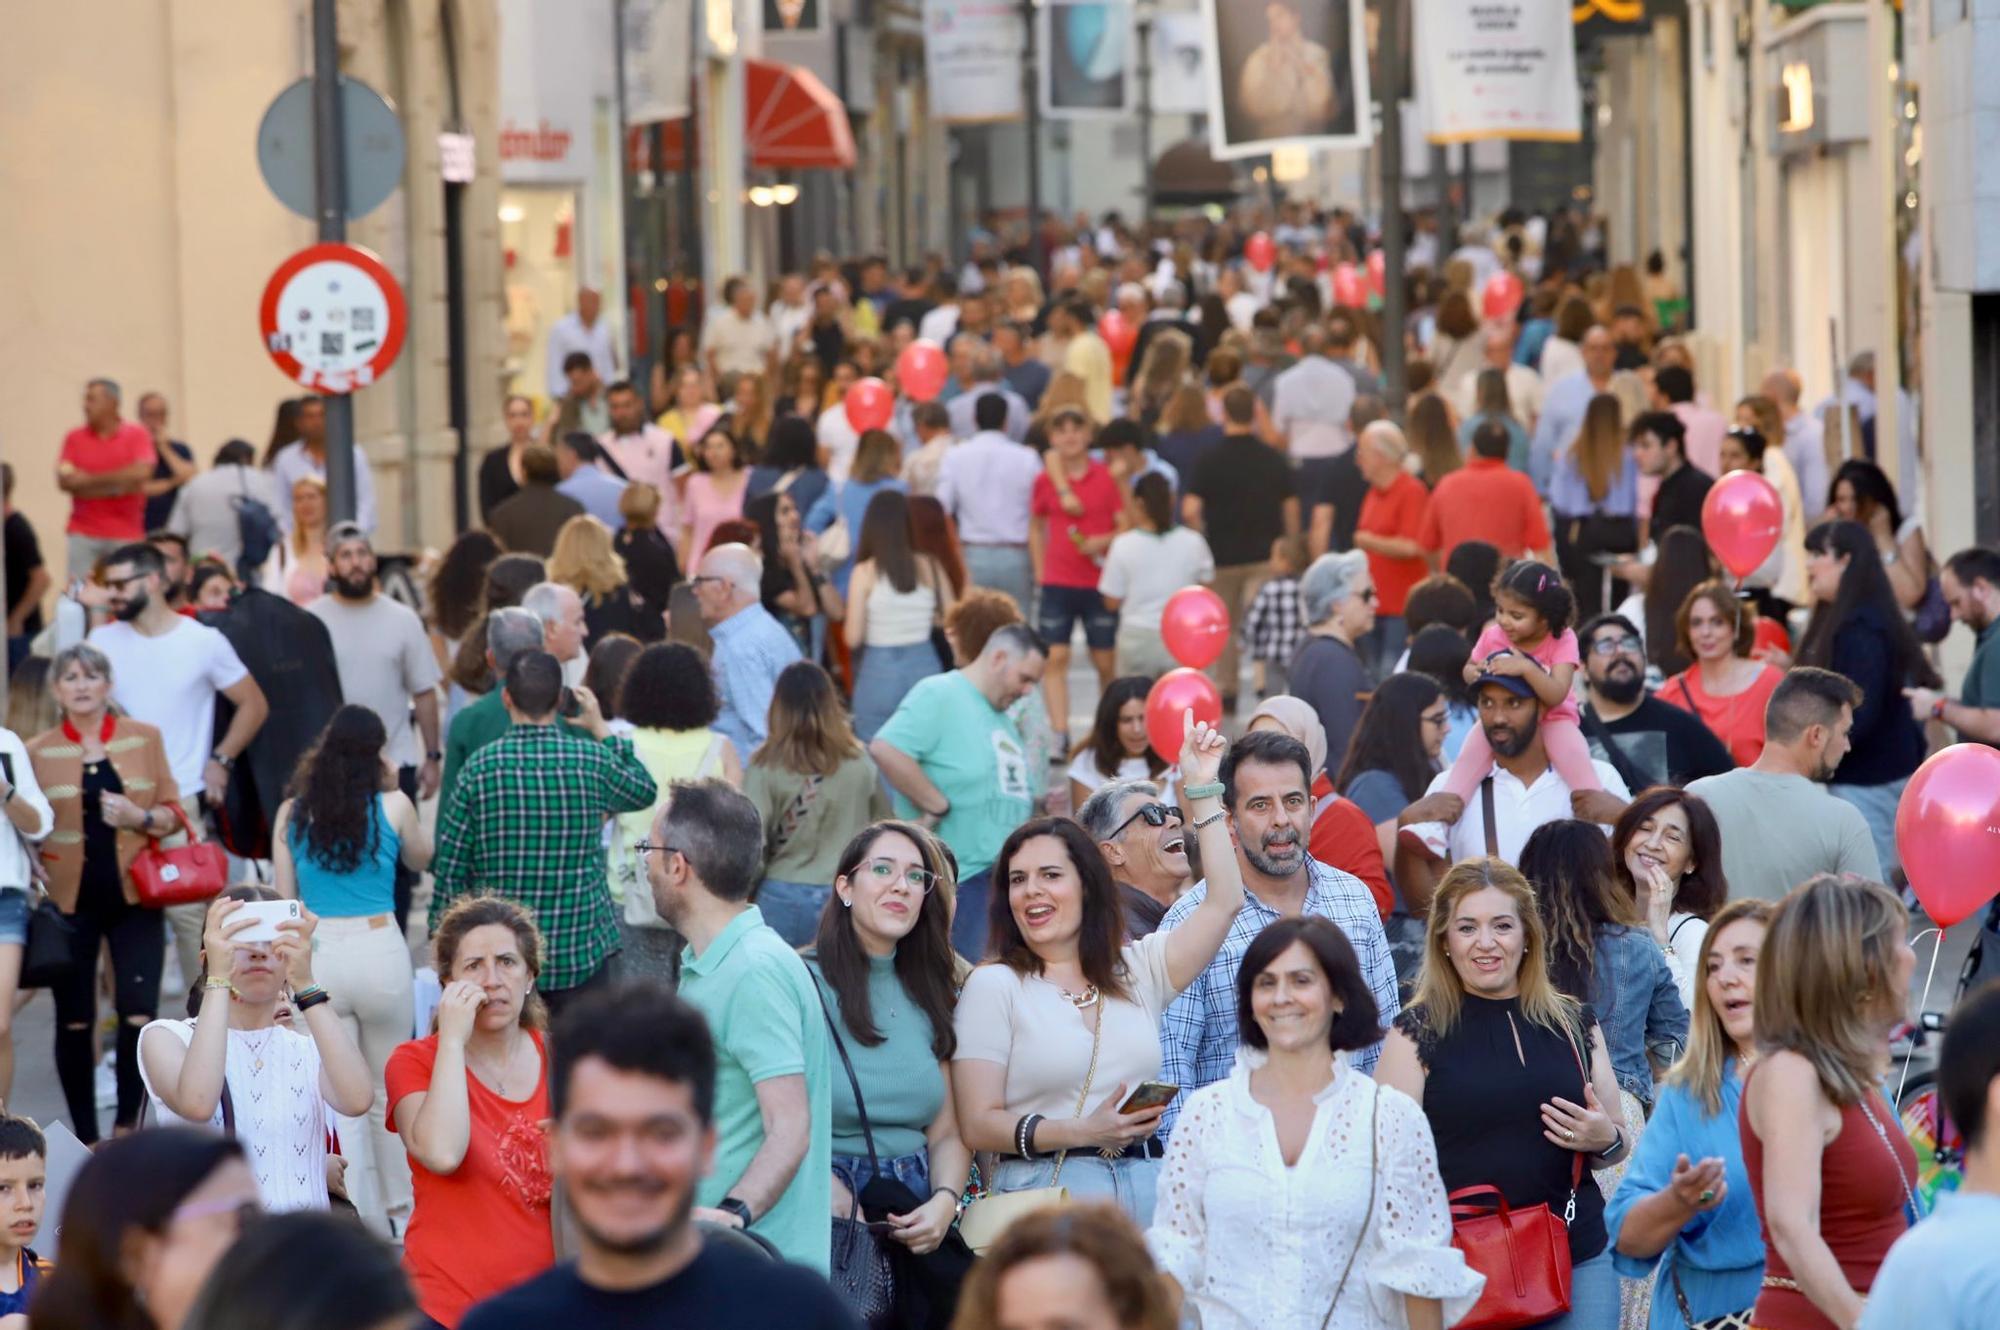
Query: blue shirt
(1719, 1255)
(1569, 492)
(751, 650)
(1199, 1033)
(1637, 1003)
(598, 492)
(848, 502)
(369, 889)
(1562, 416)
(1517, 438)
(1944, 1274)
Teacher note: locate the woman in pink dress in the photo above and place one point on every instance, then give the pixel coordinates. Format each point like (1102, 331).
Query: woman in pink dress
(714, 491)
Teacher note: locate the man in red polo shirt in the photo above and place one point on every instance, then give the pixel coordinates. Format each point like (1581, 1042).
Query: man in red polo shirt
(1392, 515)
(104, 466)
(1485, 500)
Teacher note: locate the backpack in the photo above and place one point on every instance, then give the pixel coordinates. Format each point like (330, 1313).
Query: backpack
(256, 526)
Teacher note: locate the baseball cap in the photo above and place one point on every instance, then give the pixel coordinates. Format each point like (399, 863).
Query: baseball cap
(340, 533)
(1513, 684)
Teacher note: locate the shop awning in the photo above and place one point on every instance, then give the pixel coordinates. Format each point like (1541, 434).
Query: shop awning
(791, 122)
(1188, 175)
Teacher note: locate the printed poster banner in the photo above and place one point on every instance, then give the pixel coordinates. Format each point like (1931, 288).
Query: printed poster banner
(1287, 73)
(1180, 65)
(973, 53)
(1497, 69)
(1086, 64)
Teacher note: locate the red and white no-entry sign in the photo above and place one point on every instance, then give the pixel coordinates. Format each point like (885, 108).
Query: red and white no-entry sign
(333, 318)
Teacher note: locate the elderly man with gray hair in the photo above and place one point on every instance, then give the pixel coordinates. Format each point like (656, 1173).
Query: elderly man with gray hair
(1144, 840)
(751, 647)
(509, 632)
(563, 628)
(1388, 530)
(1338, 595)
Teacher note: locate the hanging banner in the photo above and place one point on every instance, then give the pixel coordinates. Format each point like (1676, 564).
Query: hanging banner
(657, 77)
(1086, 59)
(1180, 65)
(1488, 70)
(973, 53)
(1286, 73)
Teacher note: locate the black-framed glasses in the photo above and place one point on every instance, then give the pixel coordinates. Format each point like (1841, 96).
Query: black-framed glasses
(647, 849)
(1611, 646)
(1366, 595)
(1156, 815)
(882, 871)
(120, 583)
(1438, 717)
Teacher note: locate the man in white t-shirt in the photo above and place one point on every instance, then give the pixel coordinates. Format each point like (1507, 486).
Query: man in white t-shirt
(166, 670)
(736, 338)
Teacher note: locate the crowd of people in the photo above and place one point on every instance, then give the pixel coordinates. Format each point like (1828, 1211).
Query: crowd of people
(713, 894)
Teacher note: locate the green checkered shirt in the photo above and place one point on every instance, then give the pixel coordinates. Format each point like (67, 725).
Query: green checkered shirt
(526, 821)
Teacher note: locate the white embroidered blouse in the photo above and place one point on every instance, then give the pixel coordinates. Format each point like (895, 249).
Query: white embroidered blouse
(1259, 1244)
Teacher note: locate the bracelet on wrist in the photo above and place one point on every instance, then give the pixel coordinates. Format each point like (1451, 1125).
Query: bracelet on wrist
(217, 983)
(312, 998)
(1212, 790)
(1937, 708)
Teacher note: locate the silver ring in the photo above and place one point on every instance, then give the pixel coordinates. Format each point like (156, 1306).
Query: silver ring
(1569, 1133)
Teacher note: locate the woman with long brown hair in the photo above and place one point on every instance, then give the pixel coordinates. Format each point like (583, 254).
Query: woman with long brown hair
(1594, 493)
(1161, 374)
(1456, 347)
(894, 599)
(1724, 686)
(715, 489)
(1432, 440)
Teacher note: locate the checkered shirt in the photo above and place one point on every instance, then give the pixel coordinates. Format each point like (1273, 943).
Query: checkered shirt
(1276, 621)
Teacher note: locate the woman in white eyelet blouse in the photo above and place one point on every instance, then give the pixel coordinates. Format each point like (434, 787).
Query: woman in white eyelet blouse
(1298, 1186)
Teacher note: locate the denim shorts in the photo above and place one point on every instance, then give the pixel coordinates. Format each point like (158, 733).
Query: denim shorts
(1062, 606)
(13, 917)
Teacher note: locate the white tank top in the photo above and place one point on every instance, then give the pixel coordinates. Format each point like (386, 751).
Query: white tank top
(901, 618)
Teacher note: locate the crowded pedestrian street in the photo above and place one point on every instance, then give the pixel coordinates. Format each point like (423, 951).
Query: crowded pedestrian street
(1000, 665)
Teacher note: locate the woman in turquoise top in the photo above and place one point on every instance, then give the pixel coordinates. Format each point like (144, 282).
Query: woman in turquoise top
(1685, 1205)
(884, 964)
(335, 846)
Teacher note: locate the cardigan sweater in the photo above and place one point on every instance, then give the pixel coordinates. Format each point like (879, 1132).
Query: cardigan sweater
(140, 759)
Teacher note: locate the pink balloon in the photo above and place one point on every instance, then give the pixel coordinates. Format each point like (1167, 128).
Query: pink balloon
(1261, 252)
(1173, 693)
(869, 404)
(1948, 831)
(1742, 519)
(1378, 273)
(1350, 288)
(1502, 299)
(921, 370)
(1118, 333)
(1194, 625)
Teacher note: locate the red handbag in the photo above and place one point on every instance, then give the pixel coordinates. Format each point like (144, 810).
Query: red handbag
(1523, 1253)
(197, 871)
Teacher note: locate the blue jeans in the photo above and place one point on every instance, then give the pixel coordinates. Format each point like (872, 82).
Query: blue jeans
(913, 1171)
(1877, 803)
(1127, 1183)
(793, 908)
(1593, 1297)
(1003, 568)
(1383, 644)
(13, 917)
(968, 920)
(883, 677)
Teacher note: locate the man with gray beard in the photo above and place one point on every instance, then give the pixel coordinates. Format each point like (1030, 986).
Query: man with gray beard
(1266, 790)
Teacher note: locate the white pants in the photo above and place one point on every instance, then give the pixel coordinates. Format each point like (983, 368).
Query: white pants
(364, 963)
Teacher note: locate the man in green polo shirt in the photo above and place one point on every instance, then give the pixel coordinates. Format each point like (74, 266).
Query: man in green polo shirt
(509, 632)
(773, 1088)
(1971, 584)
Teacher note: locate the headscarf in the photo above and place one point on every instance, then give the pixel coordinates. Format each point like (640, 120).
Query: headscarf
(1296, 717)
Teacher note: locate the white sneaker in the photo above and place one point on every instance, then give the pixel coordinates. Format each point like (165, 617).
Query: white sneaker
(1431, 837)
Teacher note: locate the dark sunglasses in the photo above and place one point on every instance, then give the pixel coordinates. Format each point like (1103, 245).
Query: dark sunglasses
(1156, 815)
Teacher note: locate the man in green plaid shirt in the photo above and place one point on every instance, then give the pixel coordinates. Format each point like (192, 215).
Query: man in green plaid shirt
(526, 821)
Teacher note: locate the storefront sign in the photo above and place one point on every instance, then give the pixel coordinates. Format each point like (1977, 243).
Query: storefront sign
(973, 53)
(545, 107)
(1496, 69)
(1815, 61)
(333, 318)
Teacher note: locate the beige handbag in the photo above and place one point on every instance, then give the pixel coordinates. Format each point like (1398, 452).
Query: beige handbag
(987, 1218)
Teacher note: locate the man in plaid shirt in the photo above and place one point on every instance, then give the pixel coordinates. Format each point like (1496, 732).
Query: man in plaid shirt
(1265, 780)
(526, 821)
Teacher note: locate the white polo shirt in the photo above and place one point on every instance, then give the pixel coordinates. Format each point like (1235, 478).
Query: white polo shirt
(1518, 809)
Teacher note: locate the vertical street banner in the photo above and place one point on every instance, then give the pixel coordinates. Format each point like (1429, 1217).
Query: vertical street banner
(1287, 73)
(973, 53)
(656, 60)
(1180, 65)
(1086, 59)
(1497, 69)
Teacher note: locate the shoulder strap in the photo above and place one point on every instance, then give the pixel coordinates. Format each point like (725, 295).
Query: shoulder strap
(1368, 1215)
(840, 1046)
(1688, 694)
(1675, 931)
(1486, 814)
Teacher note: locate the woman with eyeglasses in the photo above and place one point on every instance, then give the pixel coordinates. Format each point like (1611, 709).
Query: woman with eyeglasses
(885, 969)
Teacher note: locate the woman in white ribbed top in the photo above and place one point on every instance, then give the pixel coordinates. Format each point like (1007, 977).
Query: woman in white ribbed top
(894, 599)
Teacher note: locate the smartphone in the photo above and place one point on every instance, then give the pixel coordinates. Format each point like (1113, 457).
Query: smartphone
(268, 915)
(1149, 1094)
(569, 708)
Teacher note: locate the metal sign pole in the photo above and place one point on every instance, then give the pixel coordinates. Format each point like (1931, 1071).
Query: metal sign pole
(329, 158)
(1391, 150)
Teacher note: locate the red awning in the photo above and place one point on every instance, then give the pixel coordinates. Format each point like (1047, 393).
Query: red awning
(791, 122)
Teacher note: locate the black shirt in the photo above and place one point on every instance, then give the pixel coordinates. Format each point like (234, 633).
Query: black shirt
(724, 1288)
(1663, 744)
(1679, 500)
(496, 482)
(1243, 484)
(1183, 450)
(905, 310)
(1142, 913)
(24, 555)
(159, 507)
(102, 890)
(1338, 483)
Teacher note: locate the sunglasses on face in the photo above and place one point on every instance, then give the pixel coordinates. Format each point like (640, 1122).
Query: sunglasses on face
(1156, 815)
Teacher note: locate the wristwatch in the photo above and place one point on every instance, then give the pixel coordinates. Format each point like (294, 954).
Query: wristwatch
(226, 763)
(731, 1205)
(434, 756)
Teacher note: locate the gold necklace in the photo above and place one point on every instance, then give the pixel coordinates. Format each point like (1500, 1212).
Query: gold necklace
(1081, 1001)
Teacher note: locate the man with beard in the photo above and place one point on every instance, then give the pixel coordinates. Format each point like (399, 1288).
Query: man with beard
(772, 1153)
(1266, 781)
(1650, 742)
(633, 1089)
(1970, 581)
(166, 670)
(1779, 824)
(1145, 842)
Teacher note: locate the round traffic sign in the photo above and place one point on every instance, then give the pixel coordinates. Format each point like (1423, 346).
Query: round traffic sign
(333, 318)
(371, 133)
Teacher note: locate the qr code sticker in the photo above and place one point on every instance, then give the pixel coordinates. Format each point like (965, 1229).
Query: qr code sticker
(361, 319)
(332, 343)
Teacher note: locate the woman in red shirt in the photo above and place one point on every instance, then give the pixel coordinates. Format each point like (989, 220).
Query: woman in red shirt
(1724, 686)
(470, 1102)
(1391, 519)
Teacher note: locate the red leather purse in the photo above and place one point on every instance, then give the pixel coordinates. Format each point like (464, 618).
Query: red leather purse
(1523, 1253)
(197, 871)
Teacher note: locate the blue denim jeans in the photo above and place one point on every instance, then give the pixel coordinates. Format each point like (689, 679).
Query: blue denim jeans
(968, 920)
(913, 1171)
(1127, 1183)
(1877, 804)
(793, 908)
(1003, 568)
(1593, 1297)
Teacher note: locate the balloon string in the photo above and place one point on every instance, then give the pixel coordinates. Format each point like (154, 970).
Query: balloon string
(1936, 947)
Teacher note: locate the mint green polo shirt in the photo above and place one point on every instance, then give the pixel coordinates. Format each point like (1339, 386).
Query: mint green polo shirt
(974, 755)
(766, 1022)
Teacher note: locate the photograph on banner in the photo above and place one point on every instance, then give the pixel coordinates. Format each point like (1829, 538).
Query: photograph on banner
(1180, 64)
(1087, 45)
(973, 52)
(1286, 72)
(791, 15)
(1487, 71)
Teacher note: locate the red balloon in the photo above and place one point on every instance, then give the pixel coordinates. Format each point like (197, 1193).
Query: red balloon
(1350, 288)
(1194, 625)
(1502, 299)
(1261, 253)
(1118, 333)
(1769, 635)
(1378, 274)
(1742, 519)
(869, 404)
(921, 370)
(1172, 695)
(1947, 830)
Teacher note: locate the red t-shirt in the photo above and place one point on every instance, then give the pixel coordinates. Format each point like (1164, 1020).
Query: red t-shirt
(1484, 500)
(1397, 512)
(484, 1227)
(122, 517)
(1063, 564)
(1342, 837)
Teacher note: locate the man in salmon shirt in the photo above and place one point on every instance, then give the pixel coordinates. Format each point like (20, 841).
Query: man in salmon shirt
(104, 466)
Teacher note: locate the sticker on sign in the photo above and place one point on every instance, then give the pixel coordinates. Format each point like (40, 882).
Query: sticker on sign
(333, 318)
